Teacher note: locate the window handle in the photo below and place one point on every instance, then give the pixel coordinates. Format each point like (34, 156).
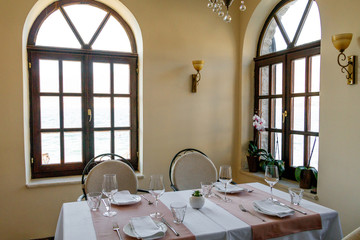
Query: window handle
(89, 114)
(284, 116)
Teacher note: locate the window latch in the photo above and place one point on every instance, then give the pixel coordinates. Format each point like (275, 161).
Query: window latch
(89, 114)
(284, 116)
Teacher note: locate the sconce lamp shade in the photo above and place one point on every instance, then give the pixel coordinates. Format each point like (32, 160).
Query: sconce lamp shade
(341, 41)
(198, 64)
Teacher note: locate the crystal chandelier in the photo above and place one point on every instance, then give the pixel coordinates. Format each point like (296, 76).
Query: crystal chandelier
(217, 7)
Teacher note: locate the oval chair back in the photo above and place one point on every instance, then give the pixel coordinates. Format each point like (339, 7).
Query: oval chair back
(108, 163)
(189, 168)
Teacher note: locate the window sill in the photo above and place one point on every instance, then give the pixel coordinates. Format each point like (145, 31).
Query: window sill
(282, 185)
(60, 181)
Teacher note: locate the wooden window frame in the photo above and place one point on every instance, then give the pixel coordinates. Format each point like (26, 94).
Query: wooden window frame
(86, 55)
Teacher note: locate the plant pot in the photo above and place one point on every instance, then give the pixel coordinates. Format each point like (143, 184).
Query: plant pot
(306, 179)
(253, 163)
(197, 202)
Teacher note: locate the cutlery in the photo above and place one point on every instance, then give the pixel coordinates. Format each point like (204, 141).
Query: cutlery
(116, 228)
(171, 228)
(245, 210)
(249, 190)
(283, 204)
(218, 196)
(149, 202)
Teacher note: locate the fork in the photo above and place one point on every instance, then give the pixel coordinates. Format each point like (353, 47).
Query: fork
(245, 210)
(149, 202)
(116, 228)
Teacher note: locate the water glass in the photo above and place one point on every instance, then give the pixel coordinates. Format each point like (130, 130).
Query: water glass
(178, 210)
(296, 195)
(93, 200)
(206, 188)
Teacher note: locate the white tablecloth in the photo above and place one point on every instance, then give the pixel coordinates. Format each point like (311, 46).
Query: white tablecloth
(209, 223)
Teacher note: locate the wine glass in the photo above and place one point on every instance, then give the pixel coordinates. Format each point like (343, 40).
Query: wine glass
(225, 177)
(109, 188)
(271, 177)
(156, 189)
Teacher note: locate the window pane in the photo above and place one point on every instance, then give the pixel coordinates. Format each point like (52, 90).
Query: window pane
(297, 150)
(276, 145)
(122, 143)
(298, 113)
(264, 136)
(113, 37)
(101, 77)
(298, 81)
(73, 147)
(312, 27)
(49, 112)
(55, 32)
(86, 19)
(102, 142)
(290, 16)
(50, 148)
(121, 78)
(72, 112)
(72, 76)
(122, 111)
(277, 113)
(277, 78)
(315, 74)
(264, 111)
(49, 76)
(102, 114)
(273, 40)
(264, 81)
(314, 113)
(314, 144)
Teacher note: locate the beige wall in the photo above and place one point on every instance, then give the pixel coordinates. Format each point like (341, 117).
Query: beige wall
(338, 185)
(215, 120)
(174, 33)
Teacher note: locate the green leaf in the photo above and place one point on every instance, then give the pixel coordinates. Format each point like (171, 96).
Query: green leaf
(315, 172)
(298, 172)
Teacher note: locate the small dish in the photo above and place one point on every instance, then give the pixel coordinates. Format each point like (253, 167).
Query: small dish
(128, 230)
(135, 199)
(229, 189)
(282, 211)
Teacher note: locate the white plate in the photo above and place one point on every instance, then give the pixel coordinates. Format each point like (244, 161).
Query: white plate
(135, 198)
(128, 231)
(271, 213)
(230, 188)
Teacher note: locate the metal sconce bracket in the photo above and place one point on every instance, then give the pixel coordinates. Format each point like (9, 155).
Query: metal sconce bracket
(349, 68)
(195, 82)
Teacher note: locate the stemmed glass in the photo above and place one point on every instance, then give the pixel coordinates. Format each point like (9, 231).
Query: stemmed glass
(225, 177)
(156, 189)
(109, 188)
(271, 177)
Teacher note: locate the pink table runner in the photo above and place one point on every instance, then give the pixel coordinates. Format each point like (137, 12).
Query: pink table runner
(103, 225)
(274, 226)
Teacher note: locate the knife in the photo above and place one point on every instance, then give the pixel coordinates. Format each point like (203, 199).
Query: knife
(283, 204)
(171, 228)
(219, 196)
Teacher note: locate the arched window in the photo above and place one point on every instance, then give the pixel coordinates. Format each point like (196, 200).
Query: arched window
(83, 87)
(287, 83)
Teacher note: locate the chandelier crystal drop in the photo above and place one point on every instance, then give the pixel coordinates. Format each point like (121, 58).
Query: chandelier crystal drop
(217, 7)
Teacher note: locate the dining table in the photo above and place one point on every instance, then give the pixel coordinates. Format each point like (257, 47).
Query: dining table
(216, 220)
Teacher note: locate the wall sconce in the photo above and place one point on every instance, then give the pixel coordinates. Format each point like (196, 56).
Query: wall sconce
(342, 42)
(198, 65)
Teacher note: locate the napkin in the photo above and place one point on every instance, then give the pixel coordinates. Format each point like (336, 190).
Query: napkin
(230, 188)
(144, 227)
(269, 207)
(122, 197)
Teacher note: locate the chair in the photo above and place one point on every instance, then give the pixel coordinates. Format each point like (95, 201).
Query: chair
(354, 235)
(108, 163)
(189, 167)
